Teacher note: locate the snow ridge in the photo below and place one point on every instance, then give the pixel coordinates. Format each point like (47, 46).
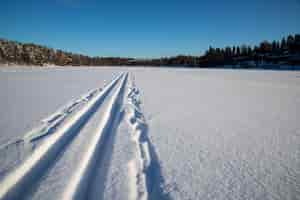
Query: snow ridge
(146, 180)
(22, 178)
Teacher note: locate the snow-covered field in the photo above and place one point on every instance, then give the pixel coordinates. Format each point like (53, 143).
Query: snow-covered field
(149, 133)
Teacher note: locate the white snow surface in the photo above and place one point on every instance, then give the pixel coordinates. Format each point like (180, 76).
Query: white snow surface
(28, 95)
(149, 133)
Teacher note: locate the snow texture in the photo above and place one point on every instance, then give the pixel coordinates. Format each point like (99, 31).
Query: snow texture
(150, 133)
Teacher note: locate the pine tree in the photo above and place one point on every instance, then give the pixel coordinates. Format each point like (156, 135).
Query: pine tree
(297, 43)
(278, 46)
(283, 45)
(244, 50)
(274, 49)
(249, 51)
(238, 52)
(290, 43)
(233, 51)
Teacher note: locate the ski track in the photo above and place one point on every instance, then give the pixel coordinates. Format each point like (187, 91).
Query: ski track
(21, 179)
(145, 176)
(49, 124)
(82, 179)
(57, 132)
(22, 147)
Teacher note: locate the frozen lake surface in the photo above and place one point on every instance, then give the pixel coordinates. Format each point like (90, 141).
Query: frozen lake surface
(149, 133)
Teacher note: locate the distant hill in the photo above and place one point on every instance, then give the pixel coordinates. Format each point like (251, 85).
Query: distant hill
(265, 55)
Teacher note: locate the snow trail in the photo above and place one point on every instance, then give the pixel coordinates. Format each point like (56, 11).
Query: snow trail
(144, 170)
(97, 121)
(22, 178)
(15, 151)
(78, 187)
(50, 123)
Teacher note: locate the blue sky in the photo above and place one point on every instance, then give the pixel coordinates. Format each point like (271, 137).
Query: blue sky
(144, 28)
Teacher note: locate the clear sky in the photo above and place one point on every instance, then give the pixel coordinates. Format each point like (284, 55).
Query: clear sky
(147, 28)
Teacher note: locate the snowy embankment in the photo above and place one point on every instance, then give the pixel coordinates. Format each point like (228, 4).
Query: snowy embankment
(150, 134)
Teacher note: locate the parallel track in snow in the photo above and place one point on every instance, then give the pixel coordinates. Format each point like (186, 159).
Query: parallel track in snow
(78, 187)
(71, 156)
(17, 183)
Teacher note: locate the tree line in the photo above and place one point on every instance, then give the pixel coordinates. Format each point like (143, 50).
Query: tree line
(286, 51)
(12, 52)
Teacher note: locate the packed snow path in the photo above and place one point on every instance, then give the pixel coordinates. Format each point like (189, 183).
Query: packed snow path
(67, 155)
(84, 123)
